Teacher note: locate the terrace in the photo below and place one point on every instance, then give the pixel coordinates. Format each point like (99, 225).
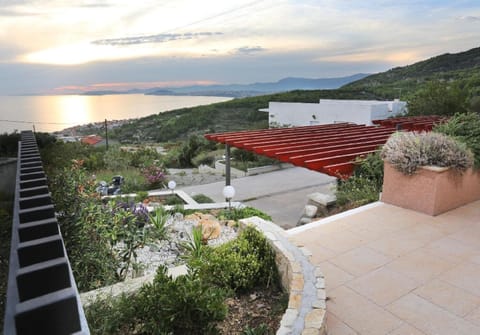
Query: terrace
(390, 270)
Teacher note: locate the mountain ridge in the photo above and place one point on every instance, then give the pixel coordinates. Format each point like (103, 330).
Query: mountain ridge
(244, 90)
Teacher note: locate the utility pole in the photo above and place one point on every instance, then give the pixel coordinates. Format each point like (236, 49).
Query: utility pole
(106, 135)
(227, 164)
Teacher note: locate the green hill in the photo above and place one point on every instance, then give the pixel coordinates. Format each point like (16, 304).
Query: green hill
(462, 68)
(233, 115)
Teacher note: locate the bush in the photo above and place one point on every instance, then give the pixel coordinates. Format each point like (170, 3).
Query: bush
(154, 175)
(205, 158)
(438, 98)
(202, 199)
(365, 185)
(408, 151)
(81, 221)
(185, 305)
(173, 200)
(242, 213)
(464, 128)
(241, 264)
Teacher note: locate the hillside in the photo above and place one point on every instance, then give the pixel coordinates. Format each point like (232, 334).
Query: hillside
(239, 114)
(236, 114)
(463, 67)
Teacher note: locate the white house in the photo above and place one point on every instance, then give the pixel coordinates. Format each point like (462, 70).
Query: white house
(329, 111)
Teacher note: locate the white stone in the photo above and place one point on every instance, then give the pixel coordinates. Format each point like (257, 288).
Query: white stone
(289, 317)
(310, 211)
(320, 283)
(322, 198)
(304, 220)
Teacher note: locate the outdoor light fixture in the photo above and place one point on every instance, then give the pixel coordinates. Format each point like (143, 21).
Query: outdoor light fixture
(171, 185)
(229, 193)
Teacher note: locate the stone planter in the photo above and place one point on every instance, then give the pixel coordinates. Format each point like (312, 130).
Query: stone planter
(431, 190)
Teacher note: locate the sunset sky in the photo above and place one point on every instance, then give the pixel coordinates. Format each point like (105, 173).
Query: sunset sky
(60, 46)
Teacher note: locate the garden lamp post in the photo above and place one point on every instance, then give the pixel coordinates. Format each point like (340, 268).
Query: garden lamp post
(171, 185)
(229, 193)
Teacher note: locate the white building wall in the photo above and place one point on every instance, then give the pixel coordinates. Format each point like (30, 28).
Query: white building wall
(331, 111)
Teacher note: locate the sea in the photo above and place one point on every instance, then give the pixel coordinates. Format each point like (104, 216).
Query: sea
(58, 112)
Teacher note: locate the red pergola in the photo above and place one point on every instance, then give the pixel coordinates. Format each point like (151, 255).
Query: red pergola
(330, 148)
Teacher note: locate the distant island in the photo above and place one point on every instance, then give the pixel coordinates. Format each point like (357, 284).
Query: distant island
(244, 90)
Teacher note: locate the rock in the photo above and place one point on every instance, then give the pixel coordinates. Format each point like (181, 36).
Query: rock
(211, 229)
(193, 217)
(322, 199)
(310, 211)
(304, 220)
(231, 223)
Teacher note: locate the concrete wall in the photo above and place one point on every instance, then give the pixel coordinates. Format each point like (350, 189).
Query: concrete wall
(332, 111)
(8, 173)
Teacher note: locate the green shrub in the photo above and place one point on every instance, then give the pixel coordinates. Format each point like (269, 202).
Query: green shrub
(365, 185)
(466, 129)
(113, 315)
(242, 213)
(184, 305)
(141, 195)
(408, 151)
(205, 158)
(240, 264)
(173, 200)
(438, 98)
(82, 220)
(144, 157)
(202, 199)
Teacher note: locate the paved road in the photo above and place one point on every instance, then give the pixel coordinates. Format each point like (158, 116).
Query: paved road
(282, 194)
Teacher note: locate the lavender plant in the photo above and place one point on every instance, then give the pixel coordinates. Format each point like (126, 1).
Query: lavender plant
(407, 151)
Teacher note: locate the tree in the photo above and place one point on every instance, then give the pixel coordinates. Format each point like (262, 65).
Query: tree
(438, 98)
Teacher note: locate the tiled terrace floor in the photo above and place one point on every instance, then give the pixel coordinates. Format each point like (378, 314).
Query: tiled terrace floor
(392, 271)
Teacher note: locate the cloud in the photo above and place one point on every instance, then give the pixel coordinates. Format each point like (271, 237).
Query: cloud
(157, 38)
(470, 18)
(249, 50)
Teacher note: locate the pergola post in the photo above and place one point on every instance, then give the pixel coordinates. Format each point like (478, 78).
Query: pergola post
(227, 164)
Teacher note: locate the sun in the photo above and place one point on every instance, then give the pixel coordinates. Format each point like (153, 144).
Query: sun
(80, 53)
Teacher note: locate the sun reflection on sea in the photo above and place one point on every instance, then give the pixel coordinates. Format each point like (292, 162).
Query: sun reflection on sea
(73, 109)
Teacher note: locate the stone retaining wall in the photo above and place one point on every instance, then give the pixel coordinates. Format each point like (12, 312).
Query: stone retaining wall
(306, 311)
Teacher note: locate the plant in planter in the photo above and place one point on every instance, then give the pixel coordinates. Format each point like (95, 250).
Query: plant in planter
(409, 151)
(428, 172)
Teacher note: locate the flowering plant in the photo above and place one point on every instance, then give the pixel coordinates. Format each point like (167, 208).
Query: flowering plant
(154, 175)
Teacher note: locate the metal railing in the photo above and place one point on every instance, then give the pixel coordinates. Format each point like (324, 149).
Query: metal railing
(42, 297)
